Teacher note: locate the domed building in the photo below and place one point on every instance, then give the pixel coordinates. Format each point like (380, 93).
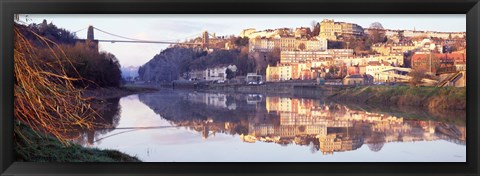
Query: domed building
(376, 25)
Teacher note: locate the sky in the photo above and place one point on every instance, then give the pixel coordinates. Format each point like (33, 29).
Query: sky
(177, 27)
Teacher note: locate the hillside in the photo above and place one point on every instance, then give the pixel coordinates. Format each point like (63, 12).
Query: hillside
(166, 66)
(171, 63)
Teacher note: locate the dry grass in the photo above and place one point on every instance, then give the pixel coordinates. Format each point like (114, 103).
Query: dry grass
(45, 97)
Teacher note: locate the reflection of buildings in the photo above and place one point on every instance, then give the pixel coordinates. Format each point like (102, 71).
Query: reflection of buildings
(324, 126)
(216, 100)
(254, 98)
(339, 128)
(336, 142)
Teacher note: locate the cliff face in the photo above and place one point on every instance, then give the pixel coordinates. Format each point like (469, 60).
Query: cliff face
(166, 66)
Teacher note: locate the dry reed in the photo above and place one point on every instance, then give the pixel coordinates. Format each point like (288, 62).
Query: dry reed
(45, 98)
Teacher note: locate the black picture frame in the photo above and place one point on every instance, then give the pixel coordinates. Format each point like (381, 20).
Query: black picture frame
(8, 8)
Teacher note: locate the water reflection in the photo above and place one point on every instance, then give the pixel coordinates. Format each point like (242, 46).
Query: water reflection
(330, 127)
(318, 125)
(109, 116)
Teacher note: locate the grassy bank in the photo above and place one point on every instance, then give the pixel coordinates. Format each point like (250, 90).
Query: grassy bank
(457, 117)
(451, 98)
(33, 147)
(37, 147)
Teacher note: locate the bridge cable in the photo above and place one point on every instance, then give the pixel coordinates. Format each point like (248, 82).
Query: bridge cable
(80, 30)
(137, 40)
(117, 35)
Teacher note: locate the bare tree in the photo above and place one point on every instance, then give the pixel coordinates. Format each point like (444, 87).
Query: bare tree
(417, 76)
(315, 28)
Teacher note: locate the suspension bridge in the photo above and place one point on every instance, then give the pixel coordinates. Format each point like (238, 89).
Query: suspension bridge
(204, 43)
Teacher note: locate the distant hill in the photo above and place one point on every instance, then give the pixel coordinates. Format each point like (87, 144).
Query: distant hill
(130, 71)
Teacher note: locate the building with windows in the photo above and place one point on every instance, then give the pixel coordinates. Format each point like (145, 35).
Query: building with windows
(217, 73)
(434, 61)
(395, 48)
(280, 72)
(375, 67)
(303, 56)
(287, 44)
(340, 53)
(331, 30)
(302, 32)
(357, 79)
(443, 35)
(289, 71)
(198, 75)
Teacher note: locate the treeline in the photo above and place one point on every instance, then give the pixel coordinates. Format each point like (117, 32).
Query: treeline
(79, 59)
(48, 31)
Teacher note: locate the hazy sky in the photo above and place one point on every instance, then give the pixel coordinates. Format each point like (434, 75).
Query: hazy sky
(163, 27)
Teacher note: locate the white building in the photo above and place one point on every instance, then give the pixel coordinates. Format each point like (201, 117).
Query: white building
(198, 75)
(218, 73)
(247, 32)
(375, 68)
(285, 72)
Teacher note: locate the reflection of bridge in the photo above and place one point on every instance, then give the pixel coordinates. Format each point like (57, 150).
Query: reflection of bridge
(132, 129)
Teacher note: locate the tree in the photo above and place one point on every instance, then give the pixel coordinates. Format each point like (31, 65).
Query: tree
(377, 35)
(401, 36)
(241, 41)
(417, 76)
(273, 57)
(230, 74)
(51, 32)
(244, 63)
(335, 45)
(315, 28)
(301, 46)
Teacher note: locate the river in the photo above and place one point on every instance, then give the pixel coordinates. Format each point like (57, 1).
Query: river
(186, 126)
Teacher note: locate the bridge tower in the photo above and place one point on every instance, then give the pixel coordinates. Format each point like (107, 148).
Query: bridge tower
(91, 42)
(205, 39)
(90, 35)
